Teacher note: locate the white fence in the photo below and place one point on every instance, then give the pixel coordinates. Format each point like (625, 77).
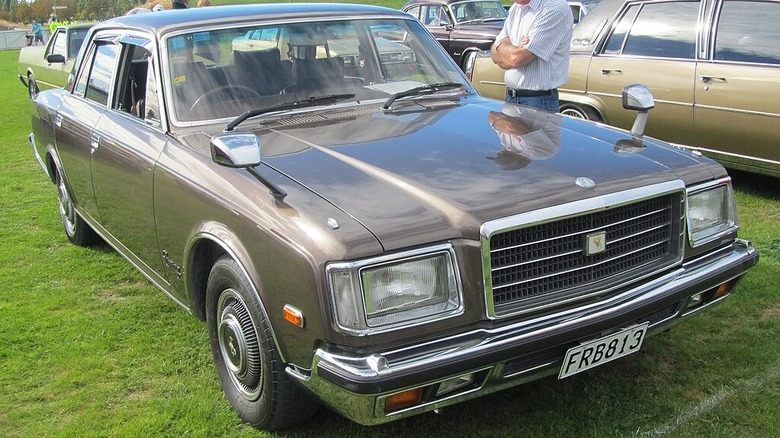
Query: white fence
(16, 39)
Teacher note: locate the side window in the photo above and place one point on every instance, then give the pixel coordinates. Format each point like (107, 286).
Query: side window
(133, 86)
(664, 30)
(615, 42)
(59, 44)
(99, 82)
(414, 12)
(659, 30)
(435, 15)
(83, 75)
(748, 32)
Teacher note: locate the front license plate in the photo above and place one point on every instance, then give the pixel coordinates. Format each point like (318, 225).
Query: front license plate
(594, 353)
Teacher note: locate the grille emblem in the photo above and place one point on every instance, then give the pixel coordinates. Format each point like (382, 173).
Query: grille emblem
(595, 243)
(585, 182)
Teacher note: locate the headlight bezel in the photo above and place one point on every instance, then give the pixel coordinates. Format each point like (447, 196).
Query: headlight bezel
(721, 192)
(348, 294)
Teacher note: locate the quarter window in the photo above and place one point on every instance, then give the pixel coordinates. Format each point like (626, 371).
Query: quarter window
(660, 30)
(748, 32)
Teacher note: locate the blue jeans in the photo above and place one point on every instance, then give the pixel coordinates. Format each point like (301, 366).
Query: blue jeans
(548, 102)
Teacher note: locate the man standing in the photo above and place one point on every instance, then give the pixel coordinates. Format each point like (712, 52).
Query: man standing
(533, 48)
(37, 33)
(179, 4)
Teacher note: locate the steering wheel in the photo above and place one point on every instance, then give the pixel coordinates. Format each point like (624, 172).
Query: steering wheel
(241, 91)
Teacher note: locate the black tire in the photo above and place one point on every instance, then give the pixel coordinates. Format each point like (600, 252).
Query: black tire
(580, 112)
(32, 87)
(246, 358)
(78, 232)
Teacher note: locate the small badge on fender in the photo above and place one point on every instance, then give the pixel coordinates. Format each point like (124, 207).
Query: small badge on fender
(595, 243)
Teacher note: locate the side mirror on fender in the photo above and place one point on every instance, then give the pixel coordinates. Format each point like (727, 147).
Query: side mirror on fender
(236, 149)
(637, 97)
(242, 150)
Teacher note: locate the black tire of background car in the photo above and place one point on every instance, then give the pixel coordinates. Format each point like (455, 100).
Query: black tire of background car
(245, 356)
(78, 232)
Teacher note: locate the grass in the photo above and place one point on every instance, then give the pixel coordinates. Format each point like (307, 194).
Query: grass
(89, 348)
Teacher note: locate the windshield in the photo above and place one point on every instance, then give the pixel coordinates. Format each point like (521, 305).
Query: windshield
(478, 11)
(223, 73)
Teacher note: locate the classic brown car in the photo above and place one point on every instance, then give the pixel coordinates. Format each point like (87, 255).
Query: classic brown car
(712, 66)
(368, 233)
(462, 27)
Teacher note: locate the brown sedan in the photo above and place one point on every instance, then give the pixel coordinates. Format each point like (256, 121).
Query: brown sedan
(357, 227)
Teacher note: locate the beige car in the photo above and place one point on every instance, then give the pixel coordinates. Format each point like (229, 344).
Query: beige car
(713, 67)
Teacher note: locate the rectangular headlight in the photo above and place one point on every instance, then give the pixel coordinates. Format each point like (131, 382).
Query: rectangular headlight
(383, 293)
(711, 212)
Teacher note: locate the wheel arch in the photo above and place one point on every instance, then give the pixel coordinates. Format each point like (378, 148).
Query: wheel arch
(584, 100)
(205, 248)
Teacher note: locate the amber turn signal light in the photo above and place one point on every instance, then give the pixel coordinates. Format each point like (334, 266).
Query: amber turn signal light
(293, 315)
(403, 399)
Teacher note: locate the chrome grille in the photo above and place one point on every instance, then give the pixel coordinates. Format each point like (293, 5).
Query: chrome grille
(545, 265)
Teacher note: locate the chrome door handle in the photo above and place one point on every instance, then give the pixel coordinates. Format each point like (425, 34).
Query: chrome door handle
(94, 141)
(708, 79)
(606, 71)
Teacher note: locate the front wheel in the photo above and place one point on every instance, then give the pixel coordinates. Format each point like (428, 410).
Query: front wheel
(246, 358)
(78, 232)
(32, 87)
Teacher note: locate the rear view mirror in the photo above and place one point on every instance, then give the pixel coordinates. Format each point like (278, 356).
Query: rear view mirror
(55, 58)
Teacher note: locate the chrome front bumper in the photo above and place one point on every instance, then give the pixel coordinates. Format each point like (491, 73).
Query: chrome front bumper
(357, 386)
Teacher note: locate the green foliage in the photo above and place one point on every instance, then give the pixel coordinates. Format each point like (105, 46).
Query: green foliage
(89, 348)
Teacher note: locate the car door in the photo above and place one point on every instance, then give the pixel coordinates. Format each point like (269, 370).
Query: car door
(55, 74)
(737, 111)
(126, 147)
(652, 43)
(78, 115)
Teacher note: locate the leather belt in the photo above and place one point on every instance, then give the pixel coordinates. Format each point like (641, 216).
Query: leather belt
(528, 93)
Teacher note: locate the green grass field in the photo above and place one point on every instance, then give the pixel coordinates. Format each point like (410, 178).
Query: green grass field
(90, 348)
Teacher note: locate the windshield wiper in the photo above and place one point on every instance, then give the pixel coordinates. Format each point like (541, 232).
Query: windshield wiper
(327, 99)
(423, 89)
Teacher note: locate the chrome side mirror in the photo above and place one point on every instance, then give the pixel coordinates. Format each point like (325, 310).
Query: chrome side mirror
(637, 97)
(236, 149)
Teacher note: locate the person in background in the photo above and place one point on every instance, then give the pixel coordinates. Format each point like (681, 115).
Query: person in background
(180, 4)
(533, 49)
(37, 32)
(203, 3)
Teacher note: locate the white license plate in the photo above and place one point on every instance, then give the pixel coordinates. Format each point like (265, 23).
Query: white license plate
(600, 351)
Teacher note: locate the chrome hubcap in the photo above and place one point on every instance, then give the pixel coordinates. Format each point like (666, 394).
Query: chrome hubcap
(67, 212)
(239, 345)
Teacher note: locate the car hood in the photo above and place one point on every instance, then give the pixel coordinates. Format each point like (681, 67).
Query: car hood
(492, 27)
(438, 169)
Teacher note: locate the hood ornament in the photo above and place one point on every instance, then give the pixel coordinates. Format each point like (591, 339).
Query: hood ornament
(585, 182)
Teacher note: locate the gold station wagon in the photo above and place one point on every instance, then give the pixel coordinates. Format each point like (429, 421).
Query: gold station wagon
(370, 234)
(713, 67)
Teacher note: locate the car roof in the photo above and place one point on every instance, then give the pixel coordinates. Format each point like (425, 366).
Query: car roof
(411, 3)
(169, 20)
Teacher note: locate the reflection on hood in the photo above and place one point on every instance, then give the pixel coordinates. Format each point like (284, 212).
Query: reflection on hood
(526, 133)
